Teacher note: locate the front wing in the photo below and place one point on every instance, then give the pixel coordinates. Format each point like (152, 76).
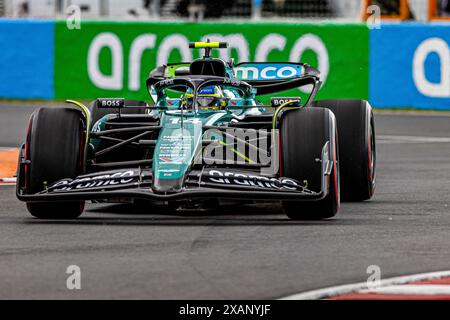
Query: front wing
(136, 183)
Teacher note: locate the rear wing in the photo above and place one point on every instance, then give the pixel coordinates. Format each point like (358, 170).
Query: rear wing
(266, 77)
(276, 76)
(168, 71)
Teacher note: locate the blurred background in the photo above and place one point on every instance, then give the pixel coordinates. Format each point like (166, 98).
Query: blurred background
(394, 53)
(350, 10)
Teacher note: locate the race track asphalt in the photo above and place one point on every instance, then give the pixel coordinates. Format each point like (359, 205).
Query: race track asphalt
(238, 252)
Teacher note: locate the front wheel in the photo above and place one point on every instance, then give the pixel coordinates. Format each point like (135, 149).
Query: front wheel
(54, 148)
(304, 133)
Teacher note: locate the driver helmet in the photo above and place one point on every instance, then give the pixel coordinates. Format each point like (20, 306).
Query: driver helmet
(208, 98)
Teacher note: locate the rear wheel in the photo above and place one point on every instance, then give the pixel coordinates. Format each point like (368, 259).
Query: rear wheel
(357, 156)
(303, 135)
(54, 148)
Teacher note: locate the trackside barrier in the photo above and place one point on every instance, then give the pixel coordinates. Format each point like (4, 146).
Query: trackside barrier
(399, 65)
(410, 66)
(114, 58)
(26, 59)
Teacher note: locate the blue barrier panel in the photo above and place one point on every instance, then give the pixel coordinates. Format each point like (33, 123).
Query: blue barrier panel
(26, 59)
(410, 66)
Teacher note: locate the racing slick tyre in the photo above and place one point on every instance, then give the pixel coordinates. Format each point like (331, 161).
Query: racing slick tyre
(98, 113)
(357, 153)
(303, 134)
(54, 148)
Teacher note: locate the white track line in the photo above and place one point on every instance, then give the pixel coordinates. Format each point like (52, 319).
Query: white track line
(418, 113)
(411, 139)
(349, 288)
(412, 289)
(7, 181)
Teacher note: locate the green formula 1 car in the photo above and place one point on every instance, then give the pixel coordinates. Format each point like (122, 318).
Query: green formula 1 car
(204, 138)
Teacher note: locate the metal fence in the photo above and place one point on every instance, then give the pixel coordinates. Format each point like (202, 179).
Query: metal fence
(185, 9)
(348, 10)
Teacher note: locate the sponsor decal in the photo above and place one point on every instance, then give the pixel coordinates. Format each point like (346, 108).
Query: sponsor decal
(103, 180)
(233, 82)
(268, 71)
(114, 59)
(241, 179)
(175, 149)
(276, 102)
(111, 103)
(207, 90)
(166, 82)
